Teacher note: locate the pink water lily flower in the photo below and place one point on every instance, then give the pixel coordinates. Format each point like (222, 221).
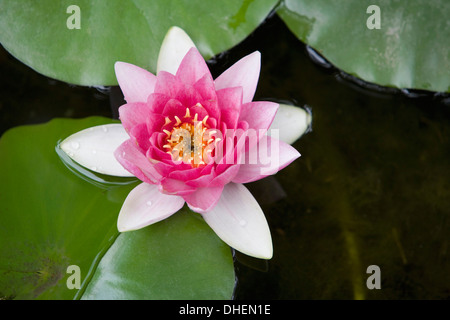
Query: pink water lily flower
(193, 139)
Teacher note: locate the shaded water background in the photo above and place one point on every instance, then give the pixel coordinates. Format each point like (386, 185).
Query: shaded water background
(372, 186)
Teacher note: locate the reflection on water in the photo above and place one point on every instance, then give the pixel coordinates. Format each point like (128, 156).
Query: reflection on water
(100, 180)
(372, 186)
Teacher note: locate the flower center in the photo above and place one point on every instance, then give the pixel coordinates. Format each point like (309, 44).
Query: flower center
(190, 140)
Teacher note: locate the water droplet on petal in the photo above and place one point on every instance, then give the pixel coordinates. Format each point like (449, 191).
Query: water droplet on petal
(149, 203)
(242, 223)
(75, 145)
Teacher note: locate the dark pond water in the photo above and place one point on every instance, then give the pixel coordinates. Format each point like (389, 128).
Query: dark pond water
(372, 186)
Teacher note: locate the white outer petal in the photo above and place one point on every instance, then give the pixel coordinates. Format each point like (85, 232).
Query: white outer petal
(175, 45)
(94, 148)
(291, 122)
(145, 205)
(239, 221)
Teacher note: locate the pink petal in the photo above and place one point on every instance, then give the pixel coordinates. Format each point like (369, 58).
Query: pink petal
(230, 102)
(186, 175)
(188, 96)
(158, 153)
(167, 84)
(239, 221)
(266, 158)
(174, 108)
(203, 199)
(132, 114)
(230, 150)
(258, 115)
(244, 73)
(199, 110)
(192, 68)
(154, 123)
(164, 168)
(140, 135)
(224, 153)
(225, 177)
(135, 162)
(213, 111)
(176, 187)
(204, 180)
(205, 86)
(157, 102)
(136, 83)
(144, 206)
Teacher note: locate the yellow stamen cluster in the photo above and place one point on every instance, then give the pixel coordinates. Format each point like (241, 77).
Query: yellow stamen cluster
(187, 140)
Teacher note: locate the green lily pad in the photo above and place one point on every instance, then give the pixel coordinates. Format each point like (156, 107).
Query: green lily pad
(178, 258)
(44, 35)
(51, 219)
(409, 50)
